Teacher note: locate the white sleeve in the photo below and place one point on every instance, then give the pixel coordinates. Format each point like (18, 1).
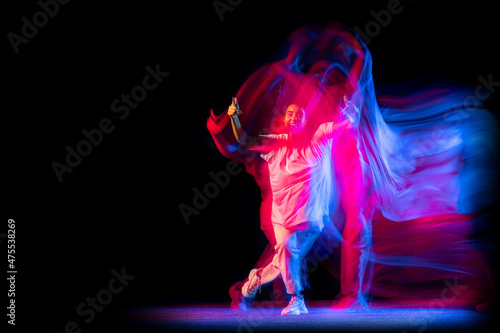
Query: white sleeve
(269, 143)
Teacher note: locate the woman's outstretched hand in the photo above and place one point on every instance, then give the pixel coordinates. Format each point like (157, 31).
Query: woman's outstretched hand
(234, 109)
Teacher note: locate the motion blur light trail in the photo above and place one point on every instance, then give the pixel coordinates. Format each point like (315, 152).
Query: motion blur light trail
(428, 163)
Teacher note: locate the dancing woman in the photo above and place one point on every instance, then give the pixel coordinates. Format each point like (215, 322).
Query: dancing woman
(296, 160)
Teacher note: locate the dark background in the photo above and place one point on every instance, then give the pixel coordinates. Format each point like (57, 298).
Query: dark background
(119, 207)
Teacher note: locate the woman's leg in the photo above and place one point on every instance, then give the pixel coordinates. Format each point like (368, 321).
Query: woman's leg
(291, 247)
(274, 268)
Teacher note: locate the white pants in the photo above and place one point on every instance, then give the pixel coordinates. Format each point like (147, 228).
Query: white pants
(292, 245)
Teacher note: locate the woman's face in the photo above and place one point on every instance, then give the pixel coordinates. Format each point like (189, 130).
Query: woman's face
(294, 119)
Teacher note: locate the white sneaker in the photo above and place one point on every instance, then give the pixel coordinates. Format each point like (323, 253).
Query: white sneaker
(295, 307)
(253, 284)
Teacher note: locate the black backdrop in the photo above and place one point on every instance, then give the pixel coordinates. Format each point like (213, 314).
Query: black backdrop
(118, 209)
